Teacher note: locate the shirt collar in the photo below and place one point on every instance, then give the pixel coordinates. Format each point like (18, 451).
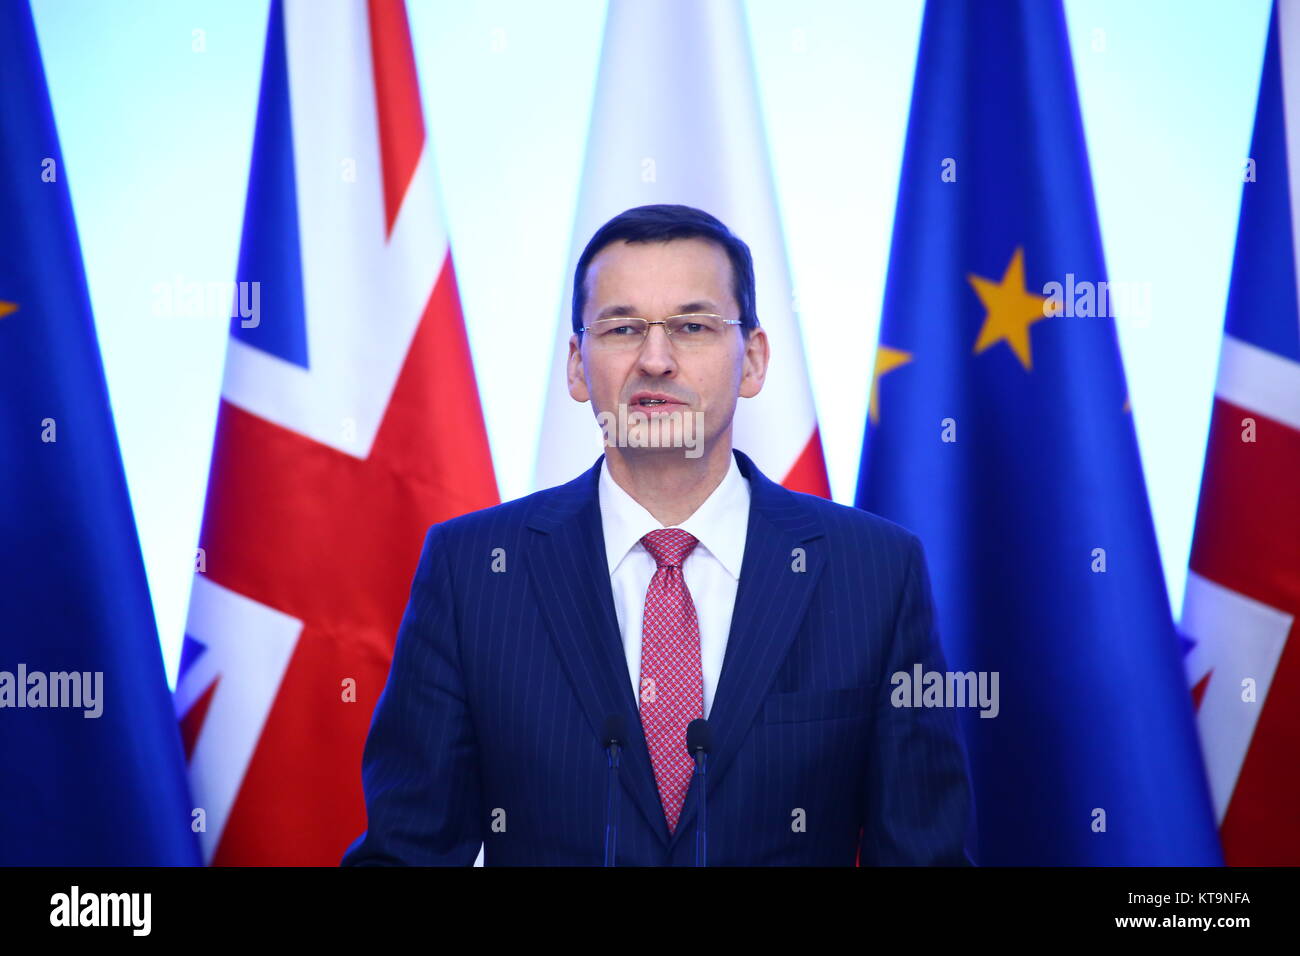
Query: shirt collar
(719, 523)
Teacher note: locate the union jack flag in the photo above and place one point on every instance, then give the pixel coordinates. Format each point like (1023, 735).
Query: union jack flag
(349, 422)
(1243, 585)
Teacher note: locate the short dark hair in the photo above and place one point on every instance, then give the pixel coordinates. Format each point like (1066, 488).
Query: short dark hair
(660, 223)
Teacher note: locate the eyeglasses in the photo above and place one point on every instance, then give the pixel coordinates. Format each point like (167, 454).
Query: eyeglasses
(694, 330)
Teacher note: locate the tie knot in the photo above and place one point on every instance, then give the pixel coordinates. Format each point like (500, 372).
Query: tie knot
(669, 546)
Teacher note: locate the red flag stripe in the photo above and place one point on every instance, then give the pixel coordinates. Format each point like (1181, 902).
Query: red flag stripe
(808, 474)
(1248, 519)
(397, 100)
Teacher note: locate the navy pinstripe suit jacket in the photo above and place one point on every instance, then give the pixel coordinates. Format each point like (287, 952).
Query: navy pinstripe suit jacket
(501, 681)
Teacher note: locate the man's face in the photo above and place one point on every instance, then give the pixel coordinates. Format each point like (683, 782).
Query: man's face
(654, 280)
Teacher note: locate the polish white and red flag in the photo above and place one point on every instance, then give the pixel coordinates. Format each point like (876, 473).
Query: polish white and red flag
(1243, 585)
(676, 120)
(349, 422)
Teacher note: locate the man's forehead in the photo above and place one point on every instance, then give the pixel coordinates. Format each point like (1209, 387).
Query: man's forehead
(694, 270)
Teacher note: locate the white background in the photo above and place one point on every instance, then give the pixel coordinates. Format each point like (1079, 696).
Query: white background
(157, 136)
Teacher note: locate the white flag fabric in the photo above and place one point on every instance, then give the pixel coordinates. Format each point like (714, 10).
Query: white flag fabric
(676, 120)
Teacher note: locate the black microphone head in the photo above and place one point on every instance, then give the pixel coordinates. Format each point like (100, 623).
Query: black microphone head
(699, 737)
(613, 731)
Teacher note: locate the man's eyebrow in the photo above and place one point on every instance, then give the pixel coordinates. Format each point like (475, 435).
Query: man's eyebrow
(623, 311)
(702, 306)
(610, 311)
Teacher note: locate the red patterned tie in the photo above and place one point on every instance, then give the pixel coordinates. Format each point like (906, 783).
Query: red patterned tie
(672, 684)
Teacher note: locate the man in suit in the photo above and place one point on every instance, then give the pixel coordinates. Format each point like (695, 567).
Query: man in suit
(671, 581)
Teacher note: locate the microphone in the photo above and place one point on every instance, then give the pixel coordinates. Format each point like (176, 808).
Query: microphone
(699, 742)
(612, 738)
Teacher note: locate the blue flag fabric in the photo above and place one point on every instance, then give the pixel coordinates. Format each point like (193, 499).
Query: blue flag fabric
(98, 779)
(999, 431)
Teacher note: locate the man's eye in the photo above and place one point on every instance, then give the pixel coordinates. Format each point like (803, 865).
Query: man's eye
(692, 327)
(621, 330)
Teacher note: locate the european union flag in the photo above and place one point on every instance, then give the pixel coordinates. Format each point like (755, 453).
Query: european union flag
(91, 769)
(999, 431)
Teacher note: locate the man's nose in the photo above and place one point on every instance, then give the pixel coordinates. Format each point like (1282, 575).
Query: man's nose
(656, 356)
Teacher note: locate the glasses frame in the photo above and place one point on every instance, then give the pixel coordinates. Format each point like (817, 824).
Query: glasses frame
(664, 322)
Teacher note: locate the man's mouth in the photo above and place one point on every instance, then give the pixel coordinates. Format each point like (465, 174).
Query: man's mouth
(655, 400)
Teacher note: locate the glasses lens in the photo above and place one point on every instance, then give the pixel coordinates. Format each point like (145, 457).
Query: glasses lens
(618, 333)
(696, 330)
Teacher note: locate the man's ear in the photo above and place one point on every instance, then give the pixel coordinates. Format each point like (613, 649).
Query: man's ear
(757, 353)
(577, 376)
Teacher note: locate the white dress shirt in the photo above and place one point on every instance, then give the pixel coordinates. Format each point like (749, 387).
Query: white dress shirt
(711, 570)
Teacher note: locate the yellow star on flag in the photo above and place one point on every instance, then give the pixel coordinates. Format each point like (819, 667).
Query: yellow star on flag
(1011, 309)
(7, 307)
(887, 360)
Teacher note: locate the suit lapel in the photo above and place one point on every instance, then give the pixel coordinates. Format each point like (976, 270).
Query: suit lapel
(771, 601)
(566, 562)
